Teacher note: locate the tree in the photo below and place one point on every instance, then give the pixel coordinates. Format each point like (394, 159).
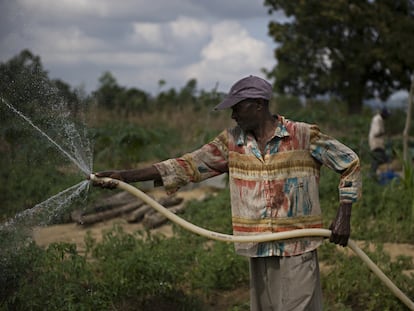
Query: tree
(188, 93)
(108, 90)
(352, 49)
(26, 85)
(120, 99)
(23, 80)
(71, 96)
(133, 100)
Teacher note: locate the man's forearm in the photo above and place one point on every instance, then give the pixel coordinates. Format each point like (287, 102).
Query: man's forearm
(143, 174)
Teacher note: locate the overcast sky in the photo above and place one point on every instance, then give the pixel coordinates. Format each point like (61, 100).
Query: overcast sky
(141, 42)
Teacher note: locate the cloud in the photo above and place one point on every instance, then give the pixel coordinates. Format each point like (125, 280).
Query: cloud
(231, 54)
(139, 41)
(128, 10)
(171, 36)
(188, 28)
(149, 34)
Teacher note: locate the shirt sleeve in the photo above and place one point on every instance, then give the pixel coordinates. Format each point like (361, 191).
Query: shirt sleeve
(341, 159)
(208, 161)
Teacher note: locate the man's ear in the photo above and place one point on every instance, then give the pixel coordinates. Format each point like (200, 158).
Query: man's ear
(260, 103)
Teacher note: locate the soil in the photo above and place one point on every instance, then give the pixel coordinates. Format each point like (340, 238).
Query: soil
(75, 233)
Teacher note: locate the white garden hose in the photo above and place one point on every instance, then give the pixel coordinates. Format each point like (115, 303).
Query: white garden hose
(259, 238)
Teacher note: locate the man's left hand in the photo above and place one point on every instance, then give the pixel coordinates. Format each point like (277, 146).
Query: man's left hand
(341, 225)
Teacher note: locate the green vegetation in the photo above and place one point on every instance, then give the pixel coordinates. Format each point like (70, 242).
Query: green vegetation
(186, 272)
(142, 271)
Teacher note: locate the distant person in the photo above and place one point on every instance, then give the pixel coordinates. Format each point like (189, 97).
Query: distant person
(274, 168)
(376, 139)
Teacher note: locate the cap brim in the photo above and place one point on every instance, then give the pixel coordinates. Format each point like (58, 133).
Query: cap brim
(228, 102)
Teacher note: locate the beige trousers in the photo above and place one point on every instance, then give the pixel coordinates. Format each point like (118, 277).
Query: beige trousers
(285, 283)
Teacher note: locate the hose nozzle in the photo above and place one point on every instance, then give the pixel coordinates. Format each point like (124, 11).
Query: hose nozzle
(103, 182)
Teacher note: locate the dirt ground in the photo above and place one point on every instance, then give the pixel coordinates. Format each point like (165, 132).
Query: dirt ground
(75, 233)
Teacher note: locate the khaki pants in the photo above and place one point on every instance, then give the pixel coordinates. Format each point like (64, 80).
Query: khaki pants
(285, 283)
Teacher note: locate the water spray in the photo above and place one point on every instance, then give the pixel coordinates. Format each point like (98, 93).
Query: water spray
(300, 233)
(78, 154)
(78, 161)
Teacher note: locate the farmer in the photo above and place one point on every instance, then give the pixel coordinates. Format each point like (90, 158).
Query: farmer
(274, 168)
(376, 140)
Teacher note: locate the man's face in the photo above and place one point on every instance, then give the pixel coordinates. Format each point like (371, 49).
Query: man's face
(245, 114)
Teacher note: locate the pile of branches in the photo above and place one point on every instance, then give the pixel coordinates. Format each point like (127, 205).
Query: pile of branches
(124, 204)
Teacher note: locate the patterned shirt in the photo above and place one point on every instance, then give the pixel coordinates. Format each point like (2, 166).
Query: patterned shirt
(274, 192)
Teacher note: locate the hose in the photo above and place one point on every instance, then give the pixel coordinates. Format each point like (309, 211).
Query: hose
(258, 238)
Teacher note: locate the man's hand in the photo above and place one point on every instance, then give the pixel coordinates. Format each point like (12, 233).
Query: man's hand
(107, 184)
(341, 225)
(128, 176)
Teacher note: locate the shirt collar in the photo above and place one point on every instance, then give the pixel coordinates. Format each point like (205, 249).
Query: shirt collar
(280, 131)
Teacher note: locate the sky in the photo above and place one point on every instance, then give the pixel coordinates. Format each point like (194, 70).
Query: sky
(141, 42)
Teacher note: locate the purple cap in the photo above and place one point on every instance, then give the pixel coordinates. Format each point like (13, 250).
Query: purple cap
(249, 87)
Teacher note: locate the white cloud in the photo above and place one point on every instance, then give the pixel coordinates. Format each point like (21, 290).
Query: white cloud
(231, 54)
(187, 28)
(147, 34)
(173, 36)
(230, 40)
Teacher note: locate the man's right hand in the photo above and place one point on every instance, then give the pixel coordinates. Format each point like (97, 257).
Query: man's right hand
(107, 184)
(128, 176)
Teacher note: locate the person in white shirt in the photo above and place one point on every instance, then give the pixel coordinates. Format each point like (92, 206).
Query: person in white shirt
(376, 140)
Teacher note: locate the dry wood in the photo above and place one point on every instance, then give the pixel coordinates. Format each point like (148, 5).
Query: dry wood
(156, 219)
(148, 211)
(114, 212)
(123, 203)
(104, 205)
(170, 201)
(120, 198)
(138, 214)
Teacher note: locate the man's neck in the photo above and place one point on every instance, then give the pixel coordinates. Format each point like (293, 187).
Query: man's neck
(266, 130)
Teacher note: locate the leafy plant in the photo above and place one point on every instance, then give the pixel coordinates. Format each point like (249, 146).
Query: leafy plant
(350, 285)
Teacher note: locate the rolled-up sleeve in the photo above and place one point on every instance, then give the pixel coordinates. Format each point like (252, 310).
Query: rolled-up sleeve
(208, 161)
(340, 158)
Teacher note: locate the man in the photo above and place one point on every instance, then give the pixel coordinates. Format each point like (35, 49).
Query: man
(376, 140)
(273, 165)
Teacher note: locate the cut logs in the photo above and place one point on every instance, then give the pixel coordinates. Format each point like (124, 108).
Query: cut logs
(128, 206)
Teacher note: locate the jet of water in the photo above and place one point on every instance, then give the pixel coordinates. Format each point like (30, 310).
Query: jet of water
(51, 209)
(78, 159)
(44, 213)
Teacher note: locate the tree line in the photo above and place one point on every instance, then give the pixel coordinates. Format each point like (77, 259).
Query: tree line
(26, 85)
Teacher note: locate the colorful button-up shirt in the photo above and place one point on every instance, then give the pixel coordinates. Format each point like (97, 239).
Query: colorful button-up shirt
(271, 192)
